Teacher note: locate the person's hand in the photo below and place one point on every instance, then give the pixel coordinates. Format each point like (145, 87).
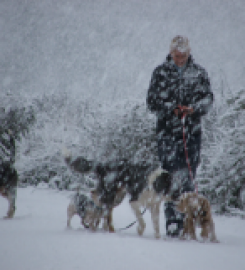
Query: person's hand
(180, 110)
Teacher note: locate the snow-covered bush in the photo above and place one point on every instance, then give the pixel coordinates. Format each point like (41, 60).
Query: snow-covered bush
(126, 130)
(131, 136)
(222, 176)
(18, 120)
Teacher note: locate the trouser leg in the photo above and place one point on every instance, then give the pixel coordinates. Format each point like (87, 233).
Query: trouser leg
(174, 220)
(182, 182)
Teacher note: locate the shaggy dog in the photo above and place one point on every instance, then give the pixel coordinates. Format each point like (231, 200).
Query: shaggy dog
(8, 186)
(145, 188)
(197, 211)
(90, 210)
(86, 209)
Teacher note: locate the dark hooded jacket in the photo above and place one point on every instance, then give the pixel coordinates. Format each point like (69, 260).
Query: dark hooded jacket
(168, 89)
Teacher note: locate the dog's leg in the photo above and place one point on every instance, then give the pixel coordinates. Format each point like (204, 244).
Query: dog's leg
(213, 237)
(97, 221)
(155, 212)
(110, 221)
(205, 229)
(191, 226)
(71, 211)
(105, 223)
(136, 209)
(92, 224)
(192, 230)
(11, 196)
(184, 233)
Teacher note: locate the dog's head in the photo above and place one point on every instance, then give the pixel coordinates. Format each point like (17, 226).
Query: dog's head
(188, 201)
(194, 203)
(78, 164)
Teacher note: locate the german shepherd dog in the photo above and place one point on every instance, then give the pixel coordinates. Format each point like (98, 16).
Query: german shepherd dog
(145, 186)
(8, 186)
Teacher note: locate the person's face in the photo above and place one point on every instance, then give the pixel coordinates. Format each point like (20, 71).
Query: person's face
(179, 58)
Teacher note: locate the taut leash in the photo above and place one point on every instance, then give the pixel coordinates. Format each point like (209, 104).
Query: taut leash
(183, 117)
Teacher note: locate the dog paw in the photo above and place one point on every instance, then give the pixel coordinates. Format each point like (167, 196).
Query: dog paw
(68, 224)
(215, 241)
(141, 229)
(111, 229)
(10, 214)
(157, 235)
(182, 237)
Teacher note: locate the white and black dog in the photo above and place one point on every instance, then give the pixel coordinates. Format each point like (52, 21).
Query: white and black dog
(145, 186)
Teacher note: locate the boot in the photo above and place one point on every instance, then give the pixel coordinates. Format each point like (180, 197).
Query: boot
(174, 220)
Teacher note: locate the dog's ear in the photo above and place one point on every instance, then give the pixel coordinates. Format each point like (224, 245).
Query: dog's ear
(82, 165)
(205, 205)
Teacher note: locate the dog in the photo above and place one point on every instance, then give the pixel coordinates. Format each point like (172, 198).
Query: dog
(8, 186)
(108, 194)
(155, 191)
(89, 208)
(197, 211)
(86, 209)
(144, 186)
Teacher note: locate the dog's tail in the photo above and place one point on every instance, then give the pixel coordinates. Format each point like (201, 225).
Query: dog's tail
(67, 155)
(160, 181)
(79, 164)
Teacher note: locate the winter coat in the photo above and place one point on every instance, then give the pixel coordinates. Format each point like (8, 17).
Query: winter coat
(168, 89)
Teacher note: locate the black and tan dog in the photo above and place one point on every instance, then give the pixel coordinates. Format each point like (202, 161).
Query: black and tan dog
(8, 186)
(197, 211)
(145, 186)
(108, 194)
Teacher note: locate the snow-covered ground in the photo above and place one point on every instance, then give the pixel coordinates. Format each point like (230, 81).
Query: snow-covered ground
(37, 238)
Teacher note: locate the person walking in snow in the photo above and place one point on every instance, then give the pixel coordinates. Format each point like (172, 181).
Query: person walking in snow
(179, 86)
